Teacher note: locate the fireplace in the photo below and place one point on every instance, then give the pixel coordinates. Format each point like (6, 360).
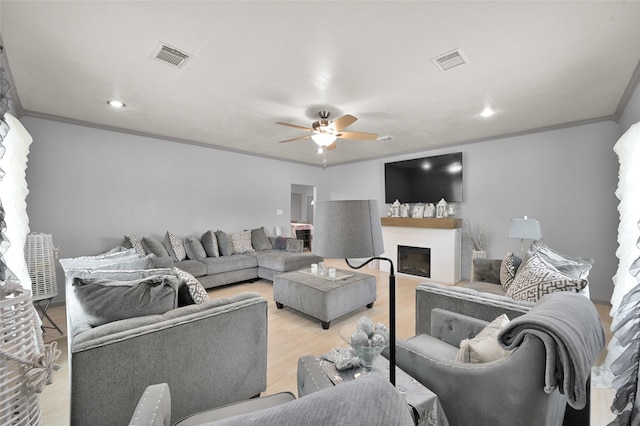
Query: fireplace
(414, 261)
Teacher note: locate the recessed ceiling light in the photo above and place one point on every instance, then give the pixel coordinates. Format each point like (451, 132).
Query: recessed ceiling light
(487, 112)
(116, 104)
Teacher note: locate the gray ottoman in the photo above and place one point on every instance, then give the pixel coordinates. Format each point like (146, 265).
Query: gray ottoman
(324, 298)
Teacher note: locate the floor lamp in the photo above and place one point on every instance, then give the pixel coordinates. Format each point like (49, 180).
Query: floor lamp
(351, 229)
(528, 229)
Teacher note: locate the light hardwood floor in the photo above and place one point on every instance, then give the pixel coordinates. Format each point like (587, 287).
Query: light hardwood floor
(292, 335)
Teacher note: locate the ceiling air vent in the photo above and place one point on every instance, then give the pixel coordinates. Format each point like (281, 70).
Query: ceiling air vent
(450, 60)
(170, 55)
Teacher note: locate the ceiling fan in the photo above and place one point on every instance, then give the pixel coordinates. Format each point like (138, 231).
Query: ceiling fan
(325, 133)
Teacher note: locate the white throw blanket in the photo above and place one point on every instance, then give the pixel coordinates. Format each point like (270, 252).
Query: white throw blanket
(570, 328)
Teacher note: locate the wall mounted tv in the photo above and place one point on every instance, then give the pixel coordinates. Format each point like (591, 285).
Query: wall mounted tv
(424, 180)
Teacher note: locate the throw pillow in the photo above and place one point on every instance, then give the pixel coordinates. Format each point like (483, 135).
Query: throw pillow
(280, 243)
(175, 246)
(484, 347)
(225, 244)
(576, 267)
(134, 242)
(260, 240)
(197, 291)
(537, 278)
(155, 246)
(242, 242)
(105, 301)
(508, 269)
(210, 244)
(194, 248)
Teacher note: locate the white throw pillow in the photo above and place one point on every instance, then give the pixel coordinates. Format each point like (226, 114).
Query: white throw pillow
(484, 347)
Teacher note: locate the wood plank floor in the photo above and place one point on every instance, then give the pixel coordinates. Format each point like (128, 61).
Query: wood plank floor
(292, 335)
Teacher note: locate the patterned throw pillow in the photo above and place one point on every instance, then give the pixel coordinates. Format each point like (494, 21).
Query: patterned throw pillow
(508, 269)
(242, 242)
(198, 292)
(485, 346)
(538, 278)
(135, 242)
(175, 246)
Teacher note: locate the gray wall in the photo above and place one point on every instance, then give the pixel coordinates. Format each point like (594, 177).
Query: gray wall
(564, 178)
(89, 187)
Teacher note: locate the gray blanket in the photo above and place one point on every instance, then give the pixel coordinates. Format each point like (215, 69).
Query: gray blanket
(367, 401)
(569, 326)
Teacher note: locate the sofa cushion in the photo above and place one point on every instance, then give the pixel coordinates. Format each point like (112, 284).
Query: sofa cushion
(259, 239)
(283, 261)
(484, 347)
(242, 242)
(134, 242)
(194, 248)
(155, 246)
(210, 243)
(508, 269)
(225, 244)
(538, 277)
(195, 267)
(104, 300)
(217, 265)
(175, 246)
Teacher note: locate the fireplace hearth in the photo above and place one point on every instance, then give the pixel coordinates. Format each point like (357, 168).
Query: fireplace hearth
(414, 261)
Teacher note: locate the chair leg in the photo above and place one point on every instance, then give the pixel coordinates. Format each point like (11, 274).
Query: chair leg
(43, 312)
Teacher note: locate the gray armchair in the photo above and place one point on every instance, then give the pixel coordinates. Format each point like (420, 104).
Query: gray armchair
(507, 391)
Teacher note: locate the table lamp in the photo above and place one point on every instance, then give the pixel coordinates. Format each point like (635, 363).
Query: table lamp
(525, 229)
(351, 229)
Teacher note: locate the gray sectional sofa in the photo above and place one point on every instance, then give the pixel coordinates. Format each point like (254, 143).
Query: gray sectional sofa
(218, 258)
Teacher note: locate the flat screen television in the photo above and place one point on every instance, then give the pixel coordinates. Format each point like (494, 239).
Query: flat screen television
(424, 180)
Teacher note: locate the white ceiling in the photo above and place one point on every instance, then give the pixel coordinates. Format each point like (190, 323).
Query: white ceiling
(538, 64)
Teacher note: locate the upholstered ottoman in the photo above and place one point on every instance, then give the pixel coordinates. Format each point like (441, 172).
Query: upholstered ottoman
(322, 297)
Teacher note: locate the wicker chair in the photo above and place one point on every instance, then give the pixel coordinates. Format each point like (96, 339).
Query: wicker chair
(40, 255)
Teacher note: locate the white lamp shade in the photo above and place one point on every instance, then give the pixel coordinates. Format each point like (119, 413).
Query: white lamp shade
(324, 139)
(347, 229)
(528, 229)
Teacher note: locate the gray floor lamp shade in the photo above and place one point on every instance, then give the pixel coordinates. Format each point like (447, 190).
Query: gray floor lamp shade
(351, 229)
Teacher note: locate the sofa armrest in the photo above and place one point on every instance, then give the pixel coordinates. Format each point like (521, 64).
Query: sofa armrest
(465, 301)
(154, 408)
(452, 327)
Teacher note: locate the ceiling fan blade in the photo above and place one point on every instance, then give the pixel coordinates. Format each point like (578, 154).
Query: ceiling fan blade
(332, 146)
(358, 135)
(295, 126)
(343, 122)
(296, 139)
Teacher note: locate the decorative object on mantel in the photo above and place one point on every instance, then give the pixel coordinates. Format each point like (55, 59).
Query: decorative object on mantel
(395, 209)
(451, 210)
(430, 210)
(525, 229)
(442, 209)
(477, 237)
(404, 210)
(418, 210)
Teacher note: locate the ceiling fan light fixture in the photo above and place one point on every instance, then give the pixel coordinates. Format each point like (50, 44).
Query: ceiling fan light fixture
(324, 139)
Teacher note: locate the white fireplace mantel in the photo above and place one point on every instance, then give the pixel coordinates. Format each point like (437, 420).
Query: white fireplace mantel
(444, 242)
